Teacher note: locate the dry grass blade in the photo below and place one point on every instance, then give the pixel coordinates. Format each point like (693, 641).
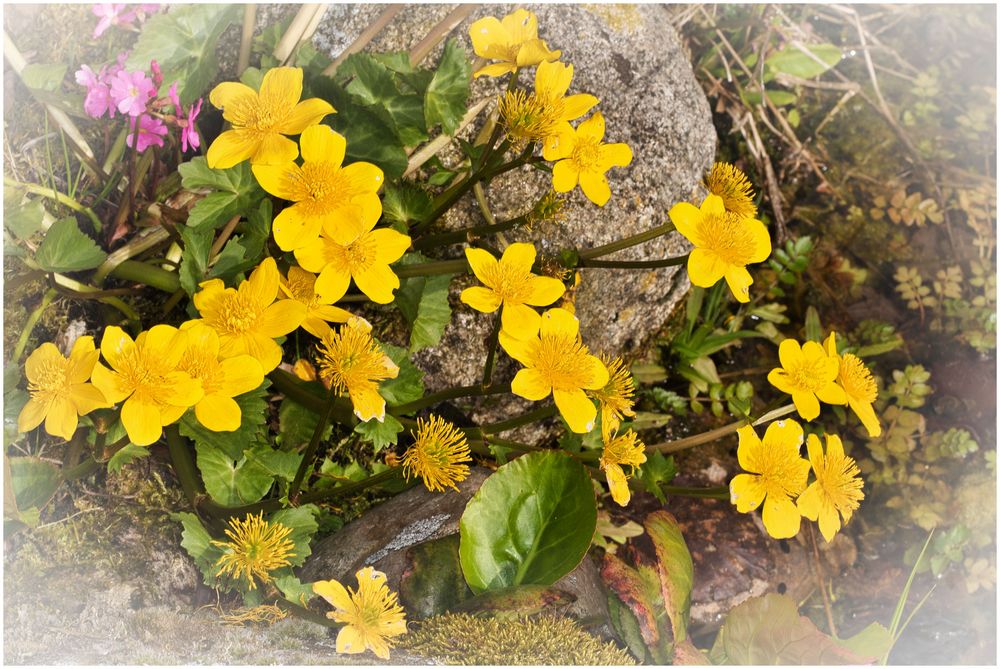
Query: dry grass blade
(429, 150)
(246, 38)
(423, 48)
(365, 37)
(138, 244)
(298, 31)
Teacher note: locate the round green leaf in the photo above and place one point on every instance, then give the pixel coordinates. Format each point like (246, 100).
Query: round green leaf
(530, 523)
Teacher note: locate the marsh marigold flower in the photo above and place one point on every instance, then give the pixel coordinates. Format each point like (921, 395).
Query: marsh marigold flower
(221, 379)
(777, 473)
(438, 455)
(616, 397)
(262, 119)
(365, 259)
(724, 244)
(511, 284)
(809, 375)
(144, 374)
(59, 388)
(731, 184)
(513, 41)
(301, 286)
(256, 547)
(625, 450)
(557, 362)
(836, 491)
(327, 194)
(582, 158)
(546, 113)
(351, 361)
(859, 386)
(247, 319)
(371, 614)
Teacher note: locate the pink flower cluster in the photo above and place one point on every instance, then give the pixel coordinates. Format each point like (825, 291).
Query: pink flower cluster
(133, 94)
(113, 14)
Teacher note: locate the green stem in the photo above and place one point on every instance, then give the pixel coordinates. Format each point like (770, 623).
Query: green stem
(449, 394)
(484, 206)
(460, 236)
(184, 467)
(61, 198)
(634, 264)
(718, 433)
(703, 493)
(303, 612)
(82, 470)
(290, 386)
(459, 266)
(491, 354)
(150, 275)
(86, 292)
(511, 423)
(307, 459)
(30, 323)
(627, 242)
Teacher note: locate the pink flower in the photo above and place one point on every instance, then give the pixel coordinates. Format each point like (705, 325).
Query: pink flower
(151, 132)
(131, 91)
(98, 100)
(111, 14)
(154, 67)
(144, 11)
(189, 133)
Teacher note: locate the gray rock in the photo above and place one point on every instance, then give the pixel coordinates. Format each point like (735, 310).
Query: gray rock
(631, 58)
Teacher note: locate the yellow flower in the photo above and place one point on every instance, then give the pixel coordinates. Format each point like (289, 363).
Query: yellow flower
(837, 489)
(724, 244)
(778, 473)
(221, 379)
(145, 375)
(59, 390)
(546, 113)
(809, 375)
(247, 319)
(583, 158)
(437, 455)
(859, 386)
(510, 283)
(365, 258)
(326, 194)
(557, 362)
(352, 361)
(256, 547)
(728, 182)
(300, 286)
(260, 120)
(513, 41)
(371, 614)
(616, 397)
(624, 450)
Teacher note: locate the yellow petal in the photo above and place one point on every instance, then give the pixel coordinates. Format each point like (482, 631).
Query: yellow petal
(481, 299)
(519, 257)
(284, 181)
(179, 389)
(116, 347)
(578, 409)
(560, 143)
(82, 358)
(368, 404)
(262, 286)
(274, 149)
(615, 155)
(485, 33)
(350, 641)
(781, 519)
(231, 148)
(280, 318)
(42, 357)
(32, 414)
(201, 336)
(564, 176)
(559, 322)
(230, 93)
(595, 186)
(866, 413)
(377, 282)
(86, 397)
(544, 291)
(810, 502)
(592, 128)
(208, 296)
(831, 393)
(705, 268)
(332, 283)
(264, 349)
(750, 448)
(282, 86)
(520, 321)
(713, 206)
(334, 593)
(240, 374)
(364, 177)
(141, 421)
(495, 70)
(815, 450)
(321, 144)
(293, 229)
(686, 218)
(389, 245)
(306, 114)
(785, 434)
(110, 384)
(552, 80)
(218, 413)
(520, 25)
(806, 403)
(829, 522)
(529, 384)
(165, 343)
(761, 240)
(61, 419)
(779, 379)
(618, 485)
(522, 350)
(739, 280)
(575, 106)
(746, 492)
(315, 256)
(789, 353)
(483, 265)
(598, 373)
(331, 314)
(535, 51)
(831, 344)
(317, 327)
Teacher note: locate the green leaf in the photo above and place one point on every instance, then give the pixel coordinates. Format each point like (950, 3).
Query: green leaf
(24, 221)
(405, 204)
(777, 98)
(229, 481)
(432, 581)
(769, 630)
(636, 590)
(297, 424)
(873, 641)
(293, 589)
(423, 301)
(66, 249)
(380, 434)
(183, 41)
(531, 522)
(277, 464)
(408, 384)
(658, 470)
(676, 570)
(253, 407)
(302, 521)
(197, 542)
(448, 90)
(194, 259)
(236, 189)
(44, 77)
(814, 329)
(793, 61)
(126, 455)
(33, 481)
(247, 249)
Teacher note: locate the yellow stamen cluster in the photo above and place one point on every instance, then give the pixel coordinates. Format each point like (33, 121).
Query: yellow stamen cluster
(836, 491)
(625, 450)
(732, 185)
(370, 615)
(616, 397)
(437, 455)
(529, 117)
(351, 361)
(255, 548)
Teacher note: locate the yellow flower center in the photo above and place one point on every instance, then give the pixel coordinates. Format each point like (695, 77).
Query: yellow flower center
(237, 315)
(839, 478)
(200, 363)
(563, 362)
(780, 472)
(147, 376)
(302, 289)
(359, 255)
(625, 449)
(587, 154)
(728, 237)
(856, 379)
(350, 358)
(375, 608)
(729, 183)
(437, 454)
(261, 114)
(530, 118)
(321, 187)
(51, 378)
(511, 284)
(255, 548)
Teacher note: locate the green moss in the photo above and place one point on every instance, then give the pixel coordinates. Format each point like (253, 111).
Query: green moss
(465, 639)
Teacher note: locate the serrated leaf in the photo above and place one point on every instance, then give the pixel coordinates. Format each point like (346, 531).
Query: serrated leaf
(194, 258)
(24, 221)
(793, 61)
(408, 384)
(277, 464)
(380, 434)
(302, 521)
(448, 90)
(293, 589)
(33, 482)
(405, 204)
(253, 407)
(125, 455)
(530, 523)
(297, 424)
(66, 249)
(197, 542)
(232, 482)
(423, 301)
(658, 470)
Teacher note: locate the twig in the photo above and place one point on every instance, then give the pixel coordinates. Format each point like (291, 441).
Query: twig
(429, 150)
(138, 244)
(227, 231)
(423, 48)
(773, 190)
(296, 30)
(364, 38)
(246, 39)
(820, 583)
(718, 433)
